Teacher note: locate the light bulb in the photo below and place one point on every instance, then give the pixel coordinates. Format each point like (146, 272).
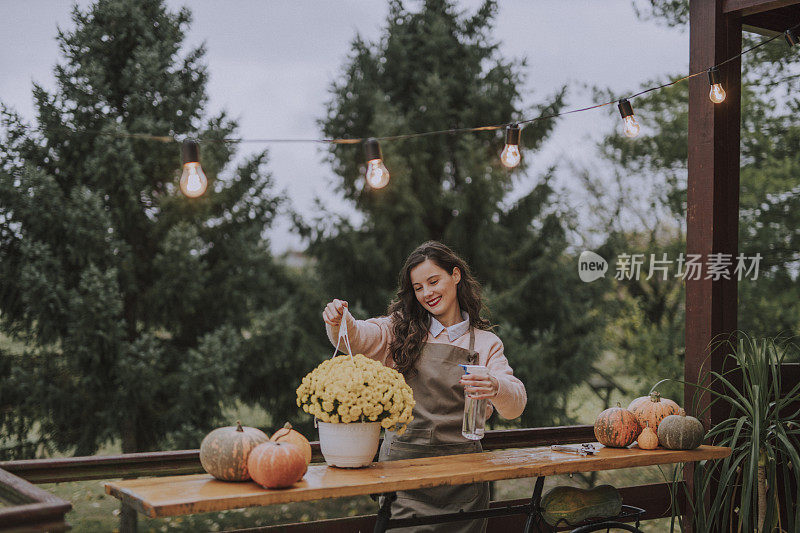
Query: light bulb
(377, 175)
(716, 94)
(631, 127)
(511, 156)
(193, 180)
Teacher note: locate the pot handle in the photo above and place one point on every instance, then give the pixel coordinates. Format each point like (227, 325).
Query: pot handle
(343, 336)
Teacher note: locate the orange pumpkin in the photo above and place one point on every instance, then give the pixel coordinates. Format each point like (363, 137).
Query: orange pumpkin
(275, 465)
(652, 409)
(288, 435)
(224, 451)
(616, 427)
(648, 440)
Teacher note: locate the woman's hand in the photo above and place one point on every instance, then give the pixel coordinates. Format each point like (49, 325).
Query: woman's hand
(479, 387)
(333, 312)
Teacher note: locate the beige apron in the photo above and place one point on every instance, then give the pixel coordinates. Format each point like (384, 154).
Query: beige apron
(436, 430)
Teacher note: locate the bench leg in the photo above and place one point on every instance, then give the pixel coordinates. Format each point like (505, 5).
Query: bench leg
(534, 514)
(385, 512)
(127, 519)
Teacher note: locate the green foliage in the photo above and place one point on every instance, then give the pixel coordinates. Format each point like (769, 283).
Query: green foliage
(438, 69)
(135, 303)
(650, 323)
(763, 433)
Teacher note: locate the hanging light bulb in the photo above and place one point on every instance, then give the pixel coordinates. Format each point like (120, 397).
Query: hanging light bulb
(717, 93)
(791, 37)
(630, 127)
(193, 180)
(510, 156)
(377, 176)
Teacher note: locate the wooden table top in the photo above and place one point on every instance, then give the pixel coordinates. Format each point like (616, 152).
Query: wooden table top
(199, 493)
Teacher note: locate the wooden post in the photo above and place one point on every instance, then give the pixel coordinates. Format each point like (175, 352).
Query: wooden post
(712, 216)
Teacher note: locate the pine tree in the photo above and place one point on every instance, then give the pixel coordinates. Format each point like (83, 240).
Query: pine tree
(136, 305)
(438, 69)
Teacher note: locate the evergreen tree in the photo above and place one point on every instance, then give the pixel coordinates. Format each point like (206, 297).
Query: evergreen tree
(438, 69)
(135, 304)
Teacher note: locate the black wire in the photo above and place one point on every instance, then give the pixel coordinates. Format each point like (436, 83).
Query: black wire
(456, 130)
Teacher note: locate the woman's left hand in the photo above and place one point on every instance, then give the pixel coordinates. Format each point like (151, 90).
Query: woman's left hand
(478, 387)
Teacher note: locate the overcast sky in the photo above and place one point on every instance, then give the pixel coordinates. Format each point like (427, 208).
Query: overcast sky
(272, 62)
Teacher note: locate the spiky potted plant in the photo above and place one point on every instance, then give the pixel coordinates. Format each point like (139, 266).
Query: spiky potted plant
(763, 433)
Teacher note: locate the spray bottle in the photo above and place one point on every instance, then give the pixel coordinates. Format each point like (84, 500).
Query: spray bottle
(474, 410)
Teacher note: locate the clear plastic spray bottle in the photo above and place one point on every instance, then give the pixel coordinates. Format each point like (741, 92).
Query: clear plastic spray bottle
(474, 410)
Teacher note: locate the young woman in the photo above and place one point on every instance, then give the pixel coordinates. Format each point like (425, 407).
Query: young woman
(433, 325)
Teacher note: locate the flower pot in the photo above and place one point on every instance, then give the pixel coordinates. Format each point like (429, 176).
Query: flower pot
(350, 445)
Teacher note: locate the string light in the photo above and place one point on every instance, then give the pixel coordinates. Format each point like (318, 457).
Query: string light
(193, 181)
(377, 176)
(717, 93)
(510, 156)
(630, 127)
(791, 37)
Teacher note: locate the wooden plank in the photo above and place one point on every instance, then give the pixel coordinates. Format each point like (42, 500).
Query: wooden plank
(32, 515)
(44, 527)
(180, 495)
(105, 466)
(654, 498)
(17, 490)
(748, 7)
(172, 463)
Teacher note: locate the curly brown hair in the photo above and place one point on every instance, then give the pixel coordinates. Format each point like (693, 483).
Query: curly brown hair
(410, 320)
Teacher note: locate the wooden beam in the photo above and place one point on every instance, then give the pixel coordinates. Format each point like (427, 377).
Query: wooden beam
(749, 7)
(131, 465)
(712, 189)
(772, 22)
(712, 214)
(34, 510)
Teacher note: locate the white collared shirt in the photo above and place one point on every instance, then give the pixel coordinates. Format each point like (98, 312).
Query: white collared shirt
(454, 331)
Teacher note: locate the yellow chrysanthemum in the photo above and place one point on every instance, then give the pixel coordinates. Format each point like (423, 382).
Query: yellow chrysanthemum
(361, 388)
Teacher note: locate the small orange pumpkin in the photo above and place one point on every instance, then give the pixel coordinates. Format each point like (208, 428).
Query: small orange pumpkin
(648, 440)
(292, 436)
(616, 427)
(224, 451)
(652, 409)
(275, 465)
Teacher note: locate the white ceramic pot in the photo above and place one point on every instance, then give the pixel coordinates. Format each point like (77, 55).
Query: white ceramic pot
(351, 445)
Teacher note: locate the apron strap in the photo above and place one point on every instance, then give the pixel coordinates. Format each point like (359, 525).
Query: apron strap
(472, 354)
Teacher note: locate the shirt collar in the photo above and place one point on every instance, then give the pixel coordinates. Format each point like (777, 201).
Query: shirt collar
(454, 331)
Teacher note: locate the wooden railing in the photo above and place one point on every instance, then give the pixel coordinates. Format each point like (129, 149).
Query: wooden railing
(36, 510)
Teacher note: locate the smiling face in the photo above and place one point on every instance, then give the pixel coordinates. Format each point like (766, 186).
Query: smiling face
(435, 289)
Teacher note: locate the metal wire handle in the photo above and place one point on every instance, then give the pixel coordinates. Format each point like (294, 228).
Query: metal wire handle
(343, 336)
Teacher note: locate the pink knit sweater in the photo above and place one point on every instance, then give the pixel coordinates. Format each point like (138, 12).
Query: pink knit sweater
(372, 337)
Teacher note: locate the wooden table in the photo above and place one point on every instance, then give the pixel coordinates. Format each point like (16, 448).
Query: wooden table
(188, 494)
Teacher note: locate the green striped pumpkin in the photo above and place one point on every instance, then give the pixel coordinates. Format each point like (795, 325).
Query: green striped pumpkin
(573, 505)
(681, 432)
(616, 427)
(224, 451)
